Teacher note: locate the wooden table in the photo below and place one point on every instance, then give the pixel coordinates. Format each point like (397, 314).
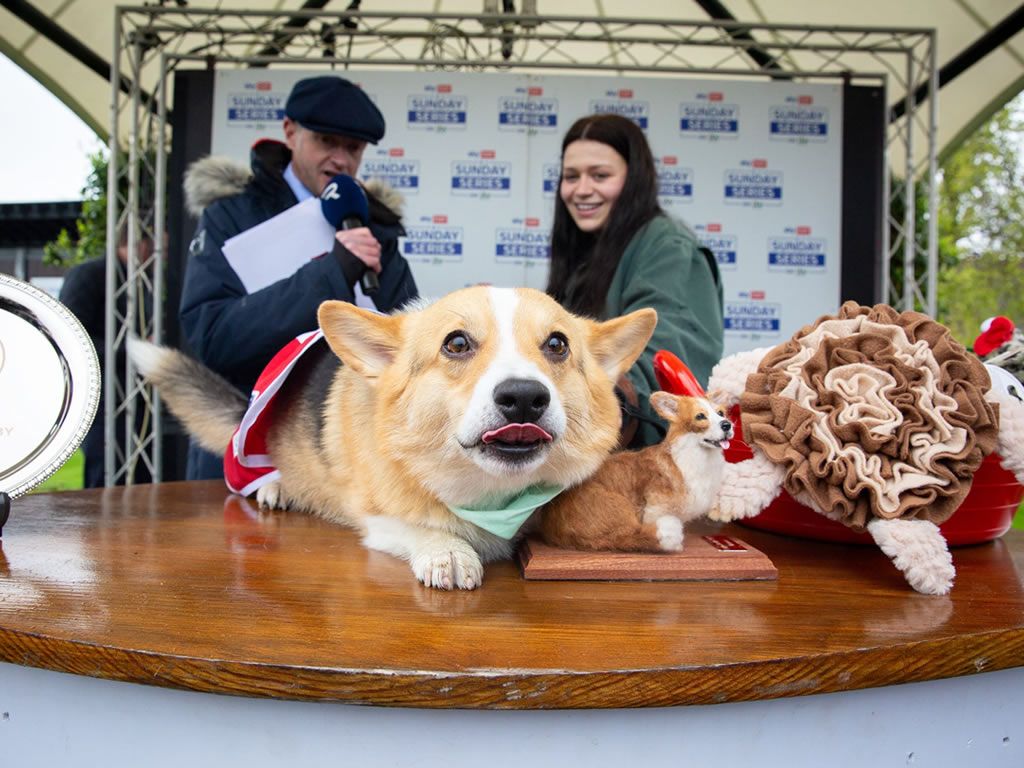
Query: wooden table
(182, 586)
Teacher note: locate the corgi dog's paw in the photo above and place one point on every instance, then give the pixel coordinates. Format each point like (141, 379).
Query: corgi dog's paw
(670, 533)
(270, 496)
(454, 567)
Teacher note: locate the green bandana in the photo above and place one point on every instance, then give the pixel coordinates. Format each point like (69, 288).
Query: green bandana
(509, 517)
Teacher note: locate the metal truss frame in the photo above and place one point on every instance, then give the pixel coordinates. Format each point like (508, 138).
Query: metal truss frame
(151, 42)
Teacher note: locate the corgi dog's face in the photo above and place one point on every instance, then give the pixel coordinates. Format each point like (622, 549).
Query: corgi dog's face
(490, 390)
(695, 418)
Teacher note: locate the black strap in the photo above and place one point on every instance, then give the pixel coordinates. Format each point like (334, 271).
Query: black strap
(712, 264)
(631, 411)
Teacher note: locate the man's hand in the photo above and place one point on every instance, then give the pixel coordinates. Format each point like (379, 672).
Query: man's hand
(361, 243)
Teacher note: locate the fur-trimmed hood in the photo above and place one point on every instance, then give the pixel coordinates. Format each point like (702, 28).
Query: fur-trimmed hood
(212, 178)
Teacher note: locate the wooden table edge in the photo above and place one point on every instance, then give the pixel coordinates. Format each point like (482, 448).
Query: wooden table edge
(518, 689)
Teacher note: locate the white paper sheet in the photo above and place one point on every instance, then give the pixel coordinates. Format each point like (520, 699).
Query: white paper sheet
(276, 248)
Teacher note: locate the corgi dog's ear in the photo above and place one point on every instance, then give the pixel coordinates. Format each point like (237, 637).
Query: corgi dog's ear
(365, 341)
(719, 398)
(617, 343)
(665, 404)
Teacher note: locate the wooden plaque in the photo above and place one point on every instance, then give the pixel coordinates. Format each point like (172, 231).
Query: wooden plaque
(704, 558)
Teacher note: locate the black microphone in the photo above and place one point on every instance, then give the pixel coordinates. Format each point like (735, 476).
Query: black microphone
(344, 205)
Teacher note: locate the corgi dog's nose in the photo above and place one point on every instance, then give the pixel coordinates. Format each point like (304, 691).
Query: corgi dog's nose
(726, 426)
(521, 400)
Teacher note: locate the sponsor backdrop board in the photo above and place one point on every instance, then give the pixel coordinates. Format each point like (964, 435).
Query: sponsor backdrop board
(753, 168)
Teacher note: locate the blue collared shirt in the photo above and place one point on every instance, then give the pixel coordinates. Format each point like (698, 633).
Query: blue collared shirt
(298, 188)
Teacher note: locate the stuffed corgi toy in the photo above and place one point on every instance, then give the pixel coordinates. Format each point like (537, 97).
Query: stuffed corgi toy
(639, 501)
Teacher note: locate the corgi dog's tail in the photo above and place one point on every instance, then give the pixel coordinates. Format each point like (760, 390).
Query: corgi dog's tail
(209, 407)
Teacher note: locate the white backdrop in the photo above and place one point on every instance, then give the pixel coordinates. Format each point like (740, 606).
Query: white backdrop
(753, 168)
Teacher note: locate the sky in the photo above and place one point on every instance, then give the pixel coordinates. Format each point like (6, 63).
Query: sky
(45, 157)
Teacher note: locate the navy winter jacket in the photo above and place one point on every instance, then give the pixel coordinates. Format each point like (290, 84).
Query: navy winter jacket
(235, 333)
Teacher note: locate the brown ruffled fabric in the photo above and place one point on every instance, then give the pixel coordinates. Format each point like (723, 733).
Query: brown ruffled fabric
(874, 413)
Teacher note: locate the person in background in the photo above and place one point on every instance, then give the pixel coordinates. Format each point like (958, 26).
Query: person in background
(84, 292)
(614, 250)
(328, 123)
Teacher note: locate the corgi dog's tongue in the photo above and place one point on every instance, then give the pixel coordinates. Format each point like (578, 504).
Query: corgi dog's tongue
(522, 434)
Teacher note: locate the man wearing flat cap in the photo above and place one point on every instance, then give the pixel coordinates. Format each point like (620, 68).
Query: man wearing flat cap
(328, 123)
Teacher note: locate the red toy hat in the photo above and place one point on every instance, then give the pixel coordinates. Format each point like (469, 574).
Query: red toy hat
(995, 332)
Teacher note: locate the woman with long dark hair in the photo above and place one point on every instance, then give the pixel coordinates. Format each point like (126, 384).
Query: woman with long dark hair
(613, 250)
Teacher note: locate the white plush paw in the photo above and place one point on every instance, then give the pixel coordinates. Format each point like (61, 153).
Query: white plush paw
(729, 507)
(720, 513)
(453, 568)
(918, 549)
(271, 496)
(670, 533)
(747, 488)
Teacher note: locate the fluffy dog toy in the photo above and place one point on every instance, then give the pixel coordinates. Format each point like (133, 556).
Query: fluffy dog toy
(875, 419)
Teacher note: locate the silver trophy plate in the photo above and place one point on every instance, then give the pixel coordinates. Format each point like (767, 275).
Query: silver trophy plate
(49, 385)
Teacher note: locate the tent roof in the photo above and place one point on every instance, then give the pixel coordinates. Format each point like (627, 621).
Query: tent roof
(67, 45)
(35, 224)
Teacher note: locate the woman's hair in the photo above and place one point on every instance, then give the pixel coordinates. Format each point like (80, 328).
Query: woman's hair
(598, 254)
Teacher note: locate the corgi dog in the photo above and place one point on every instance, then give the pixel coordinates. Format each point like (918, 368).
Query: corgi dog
(428, 431)
(638, 501)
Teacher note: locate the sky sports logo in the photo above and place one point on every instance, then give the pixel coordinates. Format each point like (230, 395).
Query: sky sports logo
(723, 246)
(789, 253)
(441, 109)
(675, 184)
(550, 175)
(755, 185)
(802, 122)
(522, 244)
(433, 244)
(396, 172)
(637, 111)
(516, 112)
(707, 119)
(752, 317)
(470, 177)
(259, 107)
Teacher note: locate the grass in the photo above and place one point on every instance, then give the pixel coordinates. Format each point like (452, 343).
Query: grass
(70, 477)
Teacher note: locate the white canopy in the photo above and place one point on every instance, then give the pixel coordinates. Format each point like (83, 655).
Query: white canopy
(68, 45)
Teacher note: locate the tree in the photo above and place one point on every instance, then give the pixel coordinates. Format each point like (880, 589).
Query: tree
(981, 214)
(980, 287)
(90, 227)
(982, 188)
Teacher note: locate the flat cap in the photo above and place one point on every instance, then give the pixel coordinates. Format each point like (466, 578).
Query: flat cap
(331, 104)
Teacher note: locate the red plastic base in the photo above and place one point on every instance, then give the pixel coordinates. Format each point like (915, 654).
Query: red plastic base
(985, 514)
